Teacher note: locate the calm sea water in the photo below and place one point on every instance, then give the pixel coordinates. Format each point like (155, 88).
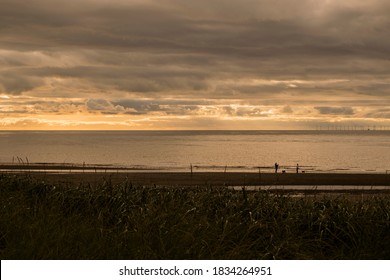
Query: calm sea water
(320, 151)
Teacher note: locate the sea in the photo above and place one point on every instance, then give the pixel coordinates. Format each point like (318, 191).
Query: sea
(232, 151)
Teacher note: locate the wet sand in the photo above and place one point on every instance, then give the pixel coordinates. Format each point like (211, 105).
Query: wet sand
(217, 178)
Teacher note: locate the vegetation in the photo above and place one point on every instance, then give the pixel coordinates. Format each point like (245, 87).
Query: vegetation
(46, 221)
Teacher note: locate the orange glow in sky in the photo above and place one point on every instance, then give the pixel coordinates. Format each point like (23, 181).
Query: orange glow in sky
(193, 64)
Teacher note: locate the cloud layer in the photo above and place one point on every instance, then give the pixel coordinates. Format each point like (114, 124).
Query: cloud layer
(175, 63)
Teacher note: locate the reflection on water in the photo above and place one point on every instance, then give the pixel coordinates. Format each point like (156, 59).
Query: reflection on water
(314, 151)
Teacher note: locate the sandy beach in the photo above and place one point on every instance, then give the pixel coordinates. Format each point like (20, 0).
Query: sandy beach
(307, 183)
(151, 178)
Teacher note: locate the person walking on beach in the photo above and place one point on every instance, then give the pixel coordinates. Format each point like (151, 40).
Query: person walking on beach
(297, 168)
(276, 167)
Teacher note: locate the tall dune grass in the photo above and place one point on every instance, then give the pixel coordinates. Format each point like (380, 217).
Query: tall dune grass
(124, 221)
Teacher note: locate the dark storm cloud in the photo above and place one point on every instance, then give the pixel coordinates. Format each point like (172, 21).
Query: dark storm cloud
(177, 25)
(15, 84)
(202, 27)
(140, 107)
(143, 107)
(335, 110)
(156, 104)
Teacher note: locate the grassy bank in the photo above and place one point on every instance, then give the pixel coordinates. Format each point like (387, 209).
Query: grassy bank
(39, 220)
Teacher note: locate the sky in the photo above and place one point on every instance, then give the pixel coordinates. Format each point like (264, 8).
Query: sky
(205, 64)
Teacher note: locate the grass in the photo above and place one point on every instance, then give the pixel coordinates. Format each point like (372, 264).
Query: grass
(39, 220)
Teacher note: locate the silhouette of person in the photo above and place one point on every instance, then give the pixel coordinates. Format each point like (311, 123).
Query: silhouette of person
(297, 168)
(276, 167)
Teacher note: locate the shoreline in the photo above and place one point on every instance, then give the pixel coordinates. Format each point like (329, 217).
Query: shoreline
(114, 168)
